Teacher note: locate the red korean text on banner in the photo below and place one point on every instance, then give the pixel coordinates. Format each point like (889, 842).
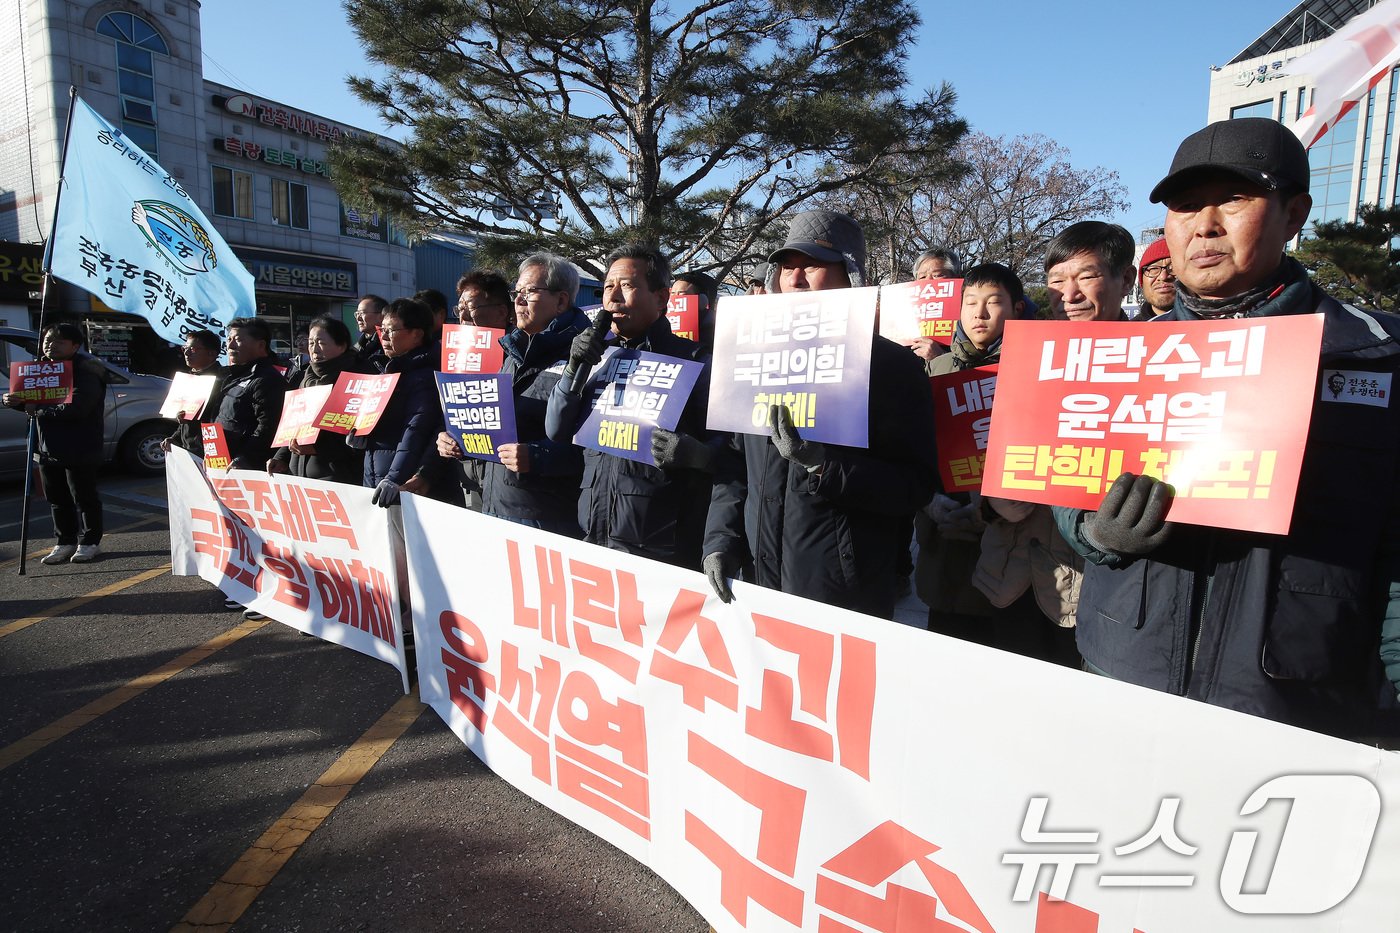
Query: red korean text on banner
(1219, 409)
(187, 397)
(683, 313)
(467, 348)
(962, 418)
(356, 403)
(215, 447)
(41, 382)
(757, 755)
(301, 409)
(923, 308)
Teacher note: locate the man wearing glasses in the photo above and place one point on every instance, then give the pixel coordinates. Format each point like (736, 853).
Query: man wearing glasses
(537, 481)
(1157, 281)
(483, 299)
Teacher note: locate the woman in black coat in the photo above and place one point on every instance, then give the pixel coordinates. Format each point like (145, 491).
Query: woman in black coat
(329, 458)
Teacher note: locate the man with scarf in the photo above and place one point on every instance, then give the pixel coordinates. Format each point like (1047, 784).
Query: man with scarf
(1302, 628)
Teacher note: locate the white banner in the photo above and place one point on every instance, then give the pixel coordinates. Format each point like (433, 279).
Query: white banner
(786, 765)
(311, 554)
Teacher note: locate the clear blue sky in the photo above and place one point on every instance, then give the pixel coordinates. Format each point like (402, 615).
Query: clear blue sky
(1116, 82)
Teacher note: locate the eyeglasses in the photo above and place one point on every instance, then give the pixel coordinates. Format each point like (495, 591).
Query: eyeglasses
(528, 293)
(1158, 272)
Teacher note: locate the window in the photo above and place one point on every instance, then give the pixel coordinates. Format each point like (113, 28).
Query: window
(233, 193)
(289, 204)
(1263, 108)
(135, 41)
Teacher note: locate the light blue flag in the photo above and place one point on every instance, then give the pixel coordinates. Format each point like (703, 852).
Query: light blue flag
(128, 233)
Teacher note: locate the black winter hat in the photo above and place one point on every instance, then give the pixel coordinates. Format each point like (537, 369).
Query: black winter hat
(1257, 149)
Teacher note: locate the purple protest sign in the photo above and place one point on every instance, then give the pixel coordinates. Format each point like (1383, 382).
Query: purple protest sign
(632, 393)
(809, 351)
(479, 412)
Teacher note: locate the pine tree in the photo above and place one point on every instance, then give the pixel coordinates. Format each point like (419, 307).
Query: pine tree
(1357, 261)
(695, 130)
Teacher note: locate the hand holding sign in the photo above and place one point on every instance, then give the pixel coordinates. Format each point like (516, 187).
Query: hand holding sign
(1132, 519)
(790, 444)
(680, 451)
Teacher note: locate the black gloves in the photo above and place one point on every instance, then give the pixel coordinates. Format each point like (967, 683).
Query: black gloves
(587, 348)
(720, 568)
(1132, 519)
(809, 454)
(681, 451)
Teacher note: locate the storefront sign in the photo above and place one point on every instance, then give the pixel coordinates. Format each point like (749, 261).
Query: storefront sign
(306, 275)
(21, 271)
(363, 225)
(272, 115)
(285, 158)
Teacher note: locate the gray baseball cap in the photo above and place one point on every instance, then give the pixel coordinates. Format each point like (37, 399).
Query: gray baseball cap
(827, 236)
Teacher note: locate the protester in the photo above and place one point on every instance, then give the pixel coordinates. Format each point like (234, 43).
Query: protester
(655, 511)
(935, 263)
(949, 529)
(1028, 574)
(436, 302)
(704, 286)
(369, 313)
(248, 403)
(70, 448)
(537, 481)
(201, 355)
(328, 457)
(1156, 280)
(1304, 627)
(401, 442)
(483, 299)
(1089, 272)
(821, 520)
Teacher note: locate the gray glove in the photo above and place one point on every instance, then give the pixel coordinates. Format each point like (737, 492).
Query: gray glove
(680, 451)
(809, 454)
(720, 568)
(1132, 519)
(385, 494)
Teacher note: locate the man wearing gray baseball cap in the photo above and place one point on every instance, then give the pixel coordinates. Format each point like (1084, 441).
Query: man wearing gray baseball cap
(1302, 628)
(820, 520)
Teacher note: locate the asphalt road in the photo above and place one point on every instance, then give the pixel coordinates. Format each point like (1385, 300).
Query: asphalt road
(166, 765)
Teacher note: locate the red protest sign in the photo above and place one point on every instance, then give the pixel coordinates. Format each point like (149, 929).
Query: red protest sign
(301, 409)
(683, 311)
(215, 447)
(356, 403)
(41, 382)
(467, 348)
(962, 417)
(1219, 409)
(923, 308)
(187, 396)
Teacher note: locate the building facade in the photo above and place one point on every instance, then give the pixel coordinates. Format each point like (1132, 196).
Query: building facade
(1356, 162)
(257, 168)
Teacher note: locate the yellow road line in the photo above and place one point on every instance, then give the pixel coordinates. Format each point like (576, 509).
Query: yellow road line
(18, 751)
(110, 531)
(235, 892)
(80, 601)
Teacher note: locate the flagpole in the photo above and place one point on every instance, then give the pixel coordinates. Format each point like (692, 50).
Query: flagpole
(46, 265)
